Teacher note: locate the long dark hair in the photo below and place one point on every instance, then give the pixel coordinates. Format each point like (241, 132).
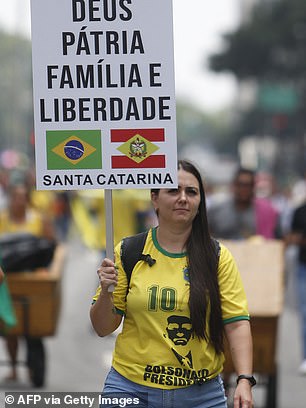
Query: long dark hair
(203, 272)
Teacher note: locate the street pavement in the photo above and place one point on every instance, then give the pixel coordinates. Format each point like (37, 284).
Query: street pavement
(78, 360)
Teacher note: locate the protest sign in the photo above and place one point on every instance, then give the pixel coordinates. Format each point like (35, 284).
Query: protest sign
(104, 94)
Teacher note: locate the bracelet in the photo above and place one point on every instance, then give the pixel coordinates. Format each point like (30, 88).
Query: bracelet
(250, 378)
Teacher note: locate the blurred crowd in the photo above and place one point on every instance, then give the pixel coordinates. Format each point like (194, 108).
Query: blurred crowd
(285, 199)
(56, 216)
(82, 211)
(132, 212)
(254, 204)
(17, 188)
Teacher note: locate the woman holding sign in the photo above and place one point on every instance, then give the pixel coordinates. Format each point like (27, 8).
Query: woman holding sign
(183, 297)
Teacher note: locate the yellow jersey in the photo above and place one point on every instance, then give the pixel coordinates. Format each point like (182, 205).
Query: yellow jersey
(156, 346)
(33, 223)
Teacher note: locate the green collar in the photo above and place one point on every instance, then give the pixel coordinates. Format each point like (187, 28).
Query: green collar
(162, 250)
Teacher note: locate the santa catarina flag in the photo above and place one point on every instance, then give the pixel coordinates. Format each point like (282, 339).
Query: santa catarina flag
(73, 149)
(138, 149)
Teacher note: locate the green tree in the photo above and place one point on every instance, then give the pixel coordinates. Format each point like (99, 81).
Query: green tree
(16, 102)
(270, 48)
(271, 45)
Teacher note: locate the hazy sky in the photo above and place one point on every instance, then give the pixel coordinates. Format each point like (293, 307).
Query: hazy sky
(198, 25)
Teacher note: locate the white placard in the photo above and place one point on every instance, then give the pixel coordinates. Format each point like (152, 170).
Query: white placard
(104, 94)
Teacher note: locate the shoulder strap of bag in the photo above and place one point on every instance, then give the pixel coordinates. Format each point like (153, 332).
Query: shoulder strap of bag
(217, 248)
(131, 253)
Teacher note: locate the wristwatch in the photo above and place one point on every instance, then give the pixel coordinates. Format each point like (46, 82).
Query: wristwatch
(250, 378)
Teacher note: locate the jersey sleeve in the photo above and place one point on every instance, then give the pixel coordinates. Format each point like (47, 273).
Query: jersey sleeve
(121, 289)
(233, 298)
(120, 292)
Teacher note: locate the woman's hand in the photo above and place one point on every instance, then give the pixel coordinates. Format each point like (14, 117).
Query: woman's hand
(243, 395)
(108, 274)
(102, 314)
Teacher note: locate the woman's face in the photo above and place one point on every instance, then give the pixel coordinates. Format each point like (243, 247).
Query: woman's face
(18, 199)
(178, 205)
(243, 189)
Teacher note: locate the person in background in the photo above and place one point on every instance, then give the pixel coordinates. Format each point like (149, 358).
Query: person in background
(20, 216)
(297, 237)
(53, 204)
(62, 214)
(177, 312)
(3, 188)
(244, 215)
(299, 189)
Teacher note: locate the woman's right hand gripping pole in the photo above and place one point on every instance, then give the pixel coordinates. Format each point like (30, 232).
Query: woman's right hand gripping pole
(103, 315)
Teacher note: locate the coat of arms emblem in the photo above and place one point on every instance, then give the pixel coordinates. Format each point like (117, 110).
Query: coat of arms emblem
(138, 148)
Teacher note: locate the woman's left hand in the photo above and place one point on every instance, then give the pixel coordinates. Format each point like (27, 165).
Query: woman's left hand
(243, 395)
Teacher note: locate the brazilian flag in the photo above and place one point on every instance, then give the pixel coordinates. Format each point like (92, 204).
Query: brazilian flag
(73, 149)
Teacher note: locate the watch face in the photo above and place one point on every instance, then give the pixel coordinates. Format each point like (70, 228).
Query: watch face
(252, 381)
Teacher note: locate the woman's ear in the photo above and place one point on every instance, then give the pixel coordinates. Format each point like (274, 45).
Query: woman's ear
(154, 197)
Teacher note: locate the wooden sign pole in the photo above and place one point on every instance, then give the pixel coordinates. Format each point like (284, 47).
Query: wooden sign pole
(108, 202)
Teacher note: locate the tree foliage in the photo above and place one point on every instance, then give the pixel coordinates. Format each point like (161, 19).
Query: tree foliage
(270, 49)
(16, 106)
(271, 44)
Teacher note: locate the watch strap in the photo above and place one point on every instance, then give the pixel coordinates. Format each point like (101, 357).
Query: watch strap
(250, 378)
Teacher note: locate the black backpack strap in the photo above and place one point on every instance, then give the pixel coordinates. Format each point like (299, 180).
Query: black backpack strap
(217, 247)
(131, 253)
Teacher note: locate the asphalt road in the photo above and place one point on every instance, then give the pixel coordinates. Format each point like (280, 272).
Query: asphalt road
(78, 360)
